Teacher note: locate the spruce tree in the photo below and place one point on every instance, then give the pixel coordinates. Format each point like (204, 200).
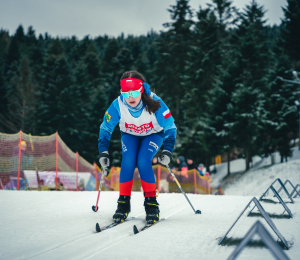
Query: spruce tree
(247, 109)
(290, 32)
(173, 47)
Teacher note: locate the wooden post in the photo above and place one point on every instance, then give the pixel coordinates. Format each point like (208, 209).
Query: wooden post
(158, 178)
(96, 175)
(56, 177)
(19, 167)
(195, 181)
(76, 171)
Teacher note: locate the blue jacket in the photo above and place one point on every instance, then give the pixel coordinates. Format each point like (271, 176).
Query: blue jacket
(112, 117)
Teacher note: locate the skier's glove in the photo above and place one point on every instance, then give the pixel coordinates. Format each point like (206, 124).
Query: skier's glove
(104, 161)
(165, 157)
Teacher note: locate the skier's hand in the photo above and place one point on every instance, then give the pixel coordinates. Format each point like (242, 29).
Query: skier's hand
(104, 161)
(165, 157)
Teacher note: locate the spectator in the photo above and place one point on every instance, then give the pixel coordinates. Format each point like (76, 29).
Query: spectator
(190, 164)
(183, 168)
(25, 161)
(154, 161)
(201, 169)
(155, 169)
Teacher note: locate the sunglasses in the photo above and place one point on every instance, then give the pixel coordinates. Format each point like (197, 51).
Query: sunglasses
(134, 94)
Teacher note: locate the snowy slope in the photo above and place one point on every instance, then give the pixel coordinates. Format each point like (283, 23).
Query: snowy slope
(256, 181)
(60, 225)
(239, 165)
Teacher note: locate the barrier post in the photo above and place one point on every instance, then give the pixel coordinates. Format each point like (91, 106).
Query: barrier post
(56, 161)
(158, 178)
(76, 171)
(96, 175)
(112, 177)
(19, 167)
(195, 182)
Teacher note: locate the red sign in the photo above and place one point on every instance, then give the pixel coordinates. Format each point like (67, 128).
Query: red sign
(139, 129)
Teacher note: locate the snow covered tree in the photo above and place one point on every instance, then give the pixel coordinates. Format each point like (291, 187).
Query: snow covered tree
(57, 106)
(173, 47)
(290, 32)
(208, 60)
(282, 124)
(247, 109)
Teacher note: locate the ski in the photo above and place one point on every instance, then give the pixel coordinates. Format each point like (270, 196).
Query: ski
(113, 224)
(148, 225)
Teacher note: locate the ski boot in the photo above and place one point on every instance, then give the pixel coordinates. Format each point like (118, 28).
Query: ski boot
(152, 210)
(123, 209)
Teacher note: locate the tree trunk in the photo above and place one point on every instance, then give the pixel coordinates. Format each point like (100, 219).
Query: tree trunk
(247, 160)
(272, 159)
(228, 162)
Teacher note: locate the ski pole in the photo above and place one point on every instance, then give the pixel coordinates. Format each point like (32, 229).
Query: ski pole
(95, 208)
(179, 186)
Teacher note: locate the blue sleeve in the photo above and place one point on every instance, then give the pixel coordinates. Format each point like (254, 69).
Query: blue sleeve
(111, 119)
(163, 115)
(169, 139)
(166, 121)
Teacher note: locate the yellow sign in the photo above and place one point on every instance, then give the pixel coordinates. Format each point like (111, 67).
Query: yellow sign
(218, 159)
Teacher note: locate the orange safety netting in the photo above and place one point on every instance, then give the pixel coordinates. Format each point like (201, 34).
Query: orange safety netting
(47, 163)
(44, 162)
(191, 181)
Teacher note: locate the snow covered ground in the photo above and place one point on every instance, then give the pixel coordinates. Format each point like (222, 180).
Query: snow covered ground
(239, 165)
(256, 181)
(61, 225)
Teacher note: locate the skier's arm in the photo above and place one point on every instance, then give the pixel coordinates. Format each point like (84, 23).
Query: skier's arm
(166, 121)
(110, 120)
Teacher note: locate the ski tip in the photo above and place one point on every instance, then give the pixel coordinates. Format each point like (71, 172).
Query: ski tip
(198, 211)
(98, 229)
(135, 230)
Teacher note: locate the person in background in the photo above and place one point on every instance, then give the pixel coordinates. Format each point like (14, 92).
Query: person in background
(201, 169)
(183, 168)
(190, 164)
(155, 169)
(25, 161)
(154, 161)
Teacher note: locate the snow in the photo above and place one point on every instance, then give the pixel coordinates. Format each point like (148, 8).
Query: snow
(239, 165)
(256, 181)
(61, 224)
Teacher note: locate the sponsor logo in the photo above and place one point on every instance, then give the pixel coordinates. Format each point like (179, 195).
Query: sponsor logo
(167, 114)
(139, 129)
(150, 150)
(124, 147)
(107, 116)
(154, 145)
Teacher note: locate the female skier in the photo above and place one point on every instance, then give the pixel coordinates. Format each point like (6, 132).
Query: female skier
(145, 122)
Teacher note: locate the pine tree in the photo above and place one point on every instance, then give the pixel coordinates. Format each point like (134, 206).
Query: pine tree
(282, 124)
(56, 106)
(290, 32)
(247, 109)
(173, 47)
(208, 59)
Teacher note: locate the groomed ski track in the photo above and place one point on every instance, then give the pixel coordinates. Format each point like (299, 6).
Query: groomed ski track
(61, 225)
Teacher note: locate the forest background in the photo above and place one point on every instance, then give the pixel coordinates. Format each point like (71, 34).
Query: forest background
(215, 68)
